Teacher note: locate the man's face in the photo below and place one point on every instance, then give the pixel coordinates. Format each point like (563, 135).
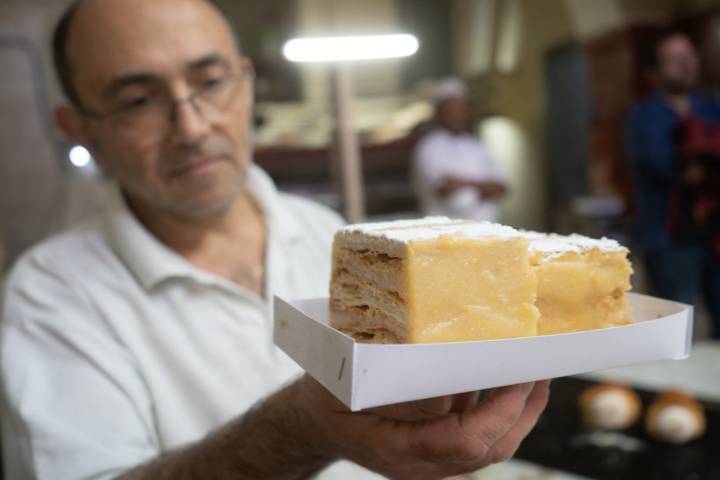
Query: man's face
(677, 69)
(453, 114)
(189, 161)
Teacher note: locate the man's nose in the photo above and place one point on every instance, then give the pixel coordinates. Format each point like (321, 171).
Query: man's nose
(189, 124)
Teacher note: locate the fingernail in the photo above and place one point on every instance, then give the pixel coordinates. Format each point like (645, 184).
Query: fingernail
(434, 406)
(527, 387)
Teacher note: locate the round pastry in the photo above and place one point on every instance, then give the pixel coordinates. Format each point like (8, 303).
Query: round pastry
(609, 406)
(675, 417)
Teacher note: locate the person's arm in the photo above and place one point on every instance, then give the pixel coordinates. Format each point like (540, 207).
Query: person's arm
(433, 166)
(489, 189)
(272, 440)
(302, 428)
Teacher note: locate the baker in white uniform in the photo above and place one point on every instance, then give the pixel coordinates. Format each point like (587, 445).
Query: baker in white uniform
(454, 173)
(138, 345)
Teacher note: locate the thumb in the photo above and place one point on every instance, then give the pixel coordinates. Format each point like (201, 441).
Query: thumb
(416, 410)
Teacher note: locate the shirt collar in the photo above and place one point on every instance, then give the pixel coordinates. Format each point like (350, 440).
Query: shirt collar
(281, 223)
(152, 262)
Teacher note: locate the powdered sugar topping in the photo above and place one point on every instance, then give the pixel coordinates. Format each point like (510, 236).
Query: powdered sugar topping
(559, 244)
(431, 228)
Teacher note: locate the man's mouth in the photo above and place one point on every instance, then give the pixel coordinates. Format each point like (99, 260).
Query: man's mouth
(196, 166)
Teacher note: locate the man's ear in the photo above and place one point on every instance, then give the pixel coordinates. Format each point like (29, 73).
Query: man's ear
(71, 123)
(74, 127)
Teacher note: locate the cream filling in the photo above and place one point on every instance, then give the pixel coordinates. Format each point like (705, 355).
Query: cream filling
(676, 424)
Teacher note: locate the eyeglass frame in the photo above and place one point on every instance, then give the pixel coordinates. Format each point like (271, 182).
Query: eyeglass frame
(172, 103)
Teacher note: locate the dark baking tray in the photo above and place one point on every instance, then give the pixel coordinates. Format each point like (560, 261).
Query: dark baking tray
(558, 441)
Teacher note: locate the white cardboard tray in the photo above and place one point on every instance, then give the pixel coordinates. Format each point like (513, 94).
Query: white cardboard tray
(365, 375)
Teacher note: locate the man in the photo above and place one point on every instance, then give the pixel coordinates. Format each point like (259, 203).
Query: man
(677, 258)
(138, 345)
(455, 175)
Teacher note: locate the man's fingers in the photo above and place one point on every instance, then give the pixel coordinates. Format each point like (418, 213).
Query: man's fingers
(433, 407)
(464, 401)
(506, 447)
(454, 434)
(470, 435)
(491, 419)
(417, 410)
(499, 410)
(428, 408)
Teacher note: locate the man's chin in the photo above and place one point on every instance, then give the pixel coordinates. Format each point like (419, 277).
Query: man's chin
(205, 198)
(679, 88)
(201, 208)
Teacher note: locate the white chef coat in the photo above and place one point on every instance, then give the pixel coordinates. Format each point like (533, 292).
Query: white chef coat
(114, 348)
(441, 155)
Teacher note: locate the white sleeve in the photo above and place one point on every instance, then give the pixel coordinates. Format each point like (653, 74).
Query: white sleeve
(74, 405)
(429, 164)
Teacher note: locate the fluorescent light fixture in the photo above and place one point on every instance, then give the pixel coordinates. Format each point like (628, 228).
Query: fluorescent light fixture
(339, 49)
(80, 156)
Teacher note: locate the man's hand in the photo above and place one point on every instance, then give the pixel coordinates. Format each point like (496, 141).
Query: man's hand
(489, 189)
(427, 439)
(452, 185)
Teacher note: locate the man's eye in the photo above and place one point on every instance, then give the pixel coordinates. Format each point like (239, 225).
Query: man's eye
(212, 83)
(136, 103)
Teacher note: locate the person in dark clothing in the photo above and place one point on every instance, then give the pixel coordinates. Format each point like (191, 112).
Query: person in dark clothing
(679, 258)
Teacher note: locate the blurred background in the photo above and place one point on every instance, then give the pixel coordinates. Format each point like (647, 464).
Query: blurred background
(550, 83)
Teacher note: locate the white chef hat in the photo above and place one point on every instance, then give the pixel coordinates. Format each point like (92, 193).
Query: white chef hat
(449, 87)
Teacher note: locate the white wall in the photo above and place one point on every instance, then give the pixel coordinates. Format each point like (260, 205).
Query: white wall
(31, 180)
(592, 18)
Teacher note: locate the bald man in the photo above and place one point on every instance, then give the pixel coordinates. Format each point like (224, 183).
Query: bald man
(138, 345)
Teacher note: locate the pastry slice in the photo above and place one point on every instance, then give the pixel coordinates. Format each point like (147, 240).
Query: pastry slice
(432, 280)
(582, 282)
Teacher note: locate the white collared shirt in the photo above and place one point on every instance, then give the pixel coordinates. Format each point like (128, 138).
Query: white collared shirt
(114, 348)
(441, 155)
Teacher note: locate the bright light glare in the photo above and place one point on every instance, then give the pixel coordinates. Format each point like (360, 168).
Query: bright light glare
(79, 156)
(335, 49)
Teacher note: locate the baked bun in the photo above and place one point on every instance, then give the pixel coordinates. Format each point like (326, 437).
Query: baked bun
(675, 417)
(609, 406)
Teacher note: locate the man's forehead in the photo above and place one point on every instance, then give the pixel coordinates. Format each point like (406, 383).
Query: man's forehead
(145, 35)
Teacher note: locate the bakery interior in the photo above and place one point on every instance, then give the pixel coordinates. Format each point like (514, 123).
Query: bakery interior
(550, 84)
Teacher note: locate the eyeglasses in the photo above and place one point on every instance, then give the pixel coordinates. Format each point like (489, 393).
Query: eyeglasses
(214, 98)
